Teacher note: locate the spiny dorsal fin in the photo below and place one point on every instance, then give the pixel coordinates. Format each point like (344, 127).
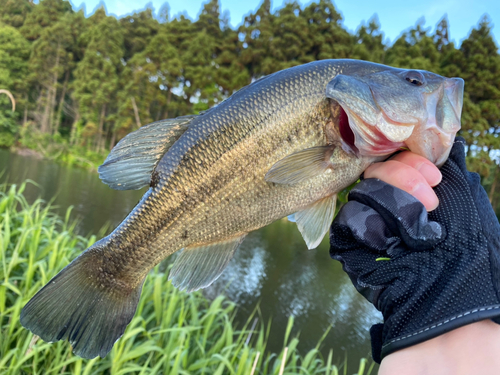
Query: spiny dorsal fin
(314, 221)
(198, 267)
(133, 159)
(300, 166)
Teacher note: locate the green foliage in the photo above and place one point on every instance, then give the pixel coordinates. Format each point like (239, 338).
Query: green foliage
(14, 53)
(7, 139)
(55, 147)
(172, 332)
(14, 12)
(368, 42)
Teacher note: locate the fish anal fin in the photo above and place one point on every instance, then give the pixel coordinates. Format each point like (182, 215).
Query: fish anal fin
(199, 266)
(131, 162)
(314, 221)
(301, 166)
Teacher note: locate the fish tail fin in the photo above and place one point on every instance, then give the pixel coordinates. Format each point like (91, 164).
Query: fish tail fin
(76, 306)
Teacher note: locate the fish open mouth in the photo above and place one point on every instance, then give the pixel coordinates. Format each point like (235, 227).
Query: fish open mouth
(346, 132)
(341, 120)
(372, 141)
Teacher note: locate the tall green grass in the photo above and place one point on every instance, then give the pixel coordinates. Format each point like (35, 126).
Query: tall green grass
(172, 332)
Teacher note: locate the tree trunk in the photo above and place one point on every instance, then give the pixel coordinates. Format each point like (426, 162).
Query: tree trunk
(493, 187)
(72, 137)
(99, 135)
(169, 99)
(61, 103)
(25, 115)
(136, 113)
(53, 91)
(113, 138)
(44, 124)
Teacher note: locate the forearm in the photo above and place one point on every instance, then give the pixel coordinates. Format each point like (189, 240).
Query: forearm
(471, 349)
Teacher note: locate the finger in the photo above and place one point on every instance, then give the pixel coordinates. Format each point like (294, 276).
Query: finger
(405, 178)
(430, 172)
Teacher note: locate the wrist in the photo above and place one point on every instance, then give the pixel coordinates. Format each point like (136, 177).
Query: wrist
(471, 349)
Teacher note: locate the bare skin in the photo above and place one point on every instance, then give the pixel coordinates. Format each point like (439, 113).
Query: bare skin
(471, 349)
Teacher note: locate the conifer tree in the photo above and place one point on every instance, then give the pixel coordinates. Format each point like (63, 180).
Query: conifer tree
(96, 76)
(46, 13)
(14, 52)
(368, 43)
(415, 49)
(14, 12)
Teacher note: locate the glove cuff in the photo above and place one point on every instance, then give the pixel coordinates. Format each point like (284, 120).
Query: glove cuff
(376, 335)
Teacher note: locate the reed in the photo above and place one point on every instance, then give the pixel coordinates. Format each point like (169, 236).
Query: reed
(172, 332)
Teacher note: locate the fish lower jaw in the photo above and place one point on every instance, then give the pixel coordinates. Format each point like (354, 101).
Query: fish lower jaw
(370, 141)
(432, 143)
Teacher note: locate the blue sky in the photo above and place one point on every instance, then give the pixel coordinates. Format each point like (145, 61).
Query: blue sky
(395, 16)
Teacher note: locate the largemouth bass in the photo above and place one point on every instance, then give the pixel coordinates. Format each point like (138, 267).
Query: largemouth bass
(286, 144)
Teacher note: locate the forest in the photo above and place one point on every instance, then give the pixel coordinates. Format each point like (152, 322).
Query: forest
(83, 83)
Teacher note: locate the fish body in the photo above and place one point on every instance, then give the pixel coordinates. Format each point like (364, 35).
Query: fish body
(285, 144)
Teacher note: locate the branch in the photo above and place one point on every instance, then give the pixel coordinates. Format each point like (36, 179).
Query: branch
(11, 97)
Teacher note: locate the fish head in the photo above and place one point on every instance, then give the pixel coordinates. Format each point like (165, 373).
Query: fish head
(385, 110)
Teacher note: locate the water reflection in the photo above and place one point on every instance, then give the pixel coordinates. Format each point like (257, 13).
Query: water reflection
(272, 268)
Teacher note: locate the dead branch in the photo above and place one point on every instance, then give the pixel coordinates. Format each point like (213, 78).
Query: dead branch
(11, 97)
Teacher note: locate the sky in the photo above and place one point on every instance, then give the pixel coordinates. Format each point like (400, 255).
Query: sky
(395, 16)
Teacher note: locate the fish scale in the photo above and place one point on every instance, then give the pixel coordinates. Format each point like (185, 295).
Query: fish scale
(270, 150)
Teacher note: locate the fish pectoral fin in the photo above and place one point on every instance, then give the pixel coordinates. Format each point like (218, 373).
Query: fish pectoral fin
(314, 221)
(291, 218)
(131, 162)
(198, 267)
(301, 166)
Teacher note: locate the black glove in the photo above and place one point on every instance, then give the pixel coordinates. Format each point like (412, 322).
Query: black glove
(444, 267)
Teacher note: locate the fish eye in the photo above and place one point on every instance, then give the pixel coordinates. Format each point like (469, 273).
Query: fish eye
(415, 78)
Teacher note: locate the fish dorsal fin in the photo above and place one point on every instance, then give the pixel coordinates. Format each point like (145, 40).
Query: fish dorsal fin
(314, 221)
(131, 162)
(300, 166)
(198, 267)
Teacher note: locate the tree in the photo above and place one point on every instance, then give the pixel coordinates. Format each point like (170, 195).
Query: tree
(368, 42)
(256, 34)
(52, 59)
(415, 49)
(328, 39)
(47, 13)
(138, 30)
(14, 12)
(14, 52)
(480, 68)
(147, 82)
(96, 76)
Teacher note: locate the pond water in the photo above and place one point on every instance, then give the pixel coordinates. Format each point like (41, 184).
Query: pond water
(272, 268)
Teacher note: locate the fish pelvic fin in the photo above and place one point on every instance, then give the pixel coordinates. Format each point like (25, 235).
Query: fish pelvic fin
(75, 306)
(132, 161)
(301, 166)
(314, 221)
(199, 266)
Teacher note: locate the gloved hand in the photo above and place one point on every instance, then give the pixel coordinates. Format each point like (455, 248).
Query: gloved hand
(428, 273)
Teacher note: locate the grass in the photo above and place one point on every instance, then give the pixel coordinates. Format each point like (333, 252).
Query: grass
(172, 332)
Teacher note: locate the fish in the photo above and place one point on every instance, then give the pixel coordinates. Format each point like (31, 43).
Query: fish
(284, 145)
